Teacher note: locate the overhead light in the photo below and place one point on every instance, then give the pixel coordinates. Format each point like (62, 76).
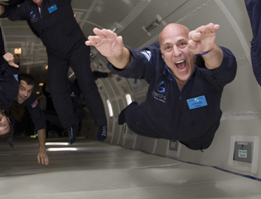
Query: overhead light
(41, 84)
(74, 15)
(62, 149)
(46, 67)
(37, 92)
(56, 144)
(18, 51)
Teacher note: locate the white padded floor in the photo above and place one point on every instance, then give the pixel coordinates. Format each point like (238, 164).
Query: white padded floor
(102, 171)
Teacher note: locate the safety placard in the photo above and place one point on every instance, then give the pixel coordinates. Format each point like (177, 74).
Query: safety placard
(242, 153)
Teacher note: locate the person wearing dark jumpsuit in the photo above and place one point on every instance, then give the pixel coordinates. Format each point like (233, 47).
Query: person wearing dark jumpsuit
(77, 100)
(253, 8)
(8, 90)
(53, 21)
(184, 95)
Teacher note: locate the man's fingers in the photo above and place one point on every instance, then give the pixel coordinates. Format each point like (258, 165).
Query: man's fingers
(38, 158)
(192, 44)
(194, 35)
(46, 161)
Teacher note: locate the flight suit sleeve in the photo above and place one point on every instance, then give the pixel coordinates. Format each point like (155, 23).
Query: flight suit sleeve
(143, 64)
(15, 2)
(36, 113)
(226, 72)
(15, 12)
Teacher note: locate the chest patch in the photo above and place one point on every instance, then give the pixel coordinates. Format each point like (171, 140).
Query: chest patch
(197, 102)
(52, 8)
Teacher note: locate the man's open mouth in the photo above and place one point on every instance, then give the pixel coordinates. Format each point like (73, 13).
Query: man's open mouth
(181, 64)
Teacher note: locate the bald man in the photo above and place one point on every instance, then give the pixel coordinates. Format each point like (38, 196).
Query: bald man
(186, 74)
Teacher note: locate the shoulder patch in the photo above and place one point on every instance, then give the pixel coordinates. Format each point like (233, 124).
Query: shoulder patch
(147, 54)
(16, 77)
(34, 104)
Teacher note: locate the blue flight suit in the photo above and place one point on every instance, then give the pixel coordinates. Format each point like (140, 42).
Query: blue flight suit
(65, 44)
(254, 12)
(165, 113)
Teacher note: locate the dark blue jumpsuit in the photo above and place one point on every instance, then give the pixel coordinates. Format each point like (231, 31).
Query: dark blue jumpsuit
(65, 44)
(8, 80)
(254, 12)
(36, 114)
(165, 112)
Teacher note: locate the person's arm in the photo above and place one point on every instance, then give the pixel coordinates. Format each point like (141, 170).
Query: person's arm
(202, 41)
(40, 126)
(219, 62)
(14, 13)
(9, 58)
(42, 157)
(2, 9)
(111, 46)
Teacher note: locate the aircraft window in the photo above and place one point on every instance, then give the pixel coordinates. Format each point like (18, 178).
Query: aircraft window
(110, 108)
(128, 99)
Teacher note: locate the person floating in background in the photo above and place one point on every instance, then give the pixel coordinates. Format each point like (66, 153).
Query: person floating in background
(186, 77)
(54, 23)
(8, 89)
(27, 99)
(78, 101)
(253, 8)
(9, 72)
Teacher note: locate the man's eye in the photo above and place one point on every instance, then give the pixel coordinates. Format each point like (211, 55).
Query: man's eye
(167, 47)
(183, 43)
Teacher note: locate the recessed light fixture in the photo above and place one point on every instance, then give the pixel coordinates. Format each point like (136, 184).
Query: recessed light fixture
(37, 92)
(41, 84)
(18, 51)
(46, 67)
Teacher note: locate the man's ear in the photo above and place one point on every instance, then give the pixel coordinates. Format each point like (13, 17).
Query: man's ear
(8, 120)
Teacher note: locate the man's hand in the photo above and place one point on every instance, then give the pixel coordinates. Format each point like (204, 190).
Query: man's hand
(203, 38)
(9, 57)
(42, 157)
(111, 46)
(106, 42)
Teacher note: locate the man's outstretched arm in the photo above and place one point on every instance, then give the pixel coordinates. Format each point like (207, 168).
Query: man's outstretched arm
(202, 41)
(111, 46)
(42, 157)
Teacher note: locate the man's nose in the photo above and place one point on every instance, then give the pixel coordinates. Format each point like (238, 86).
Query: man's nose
(176, 51)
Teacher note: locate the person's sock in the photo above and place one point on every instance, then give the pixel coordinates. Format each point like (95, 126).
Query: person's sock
(102, 132)
(72, 133)
(121, 118)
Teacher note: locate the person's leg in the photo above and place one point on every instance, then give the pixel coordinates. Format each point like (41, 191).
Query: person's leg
(135, 117)
(60, 92)
(80, 63)
(253, 9)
